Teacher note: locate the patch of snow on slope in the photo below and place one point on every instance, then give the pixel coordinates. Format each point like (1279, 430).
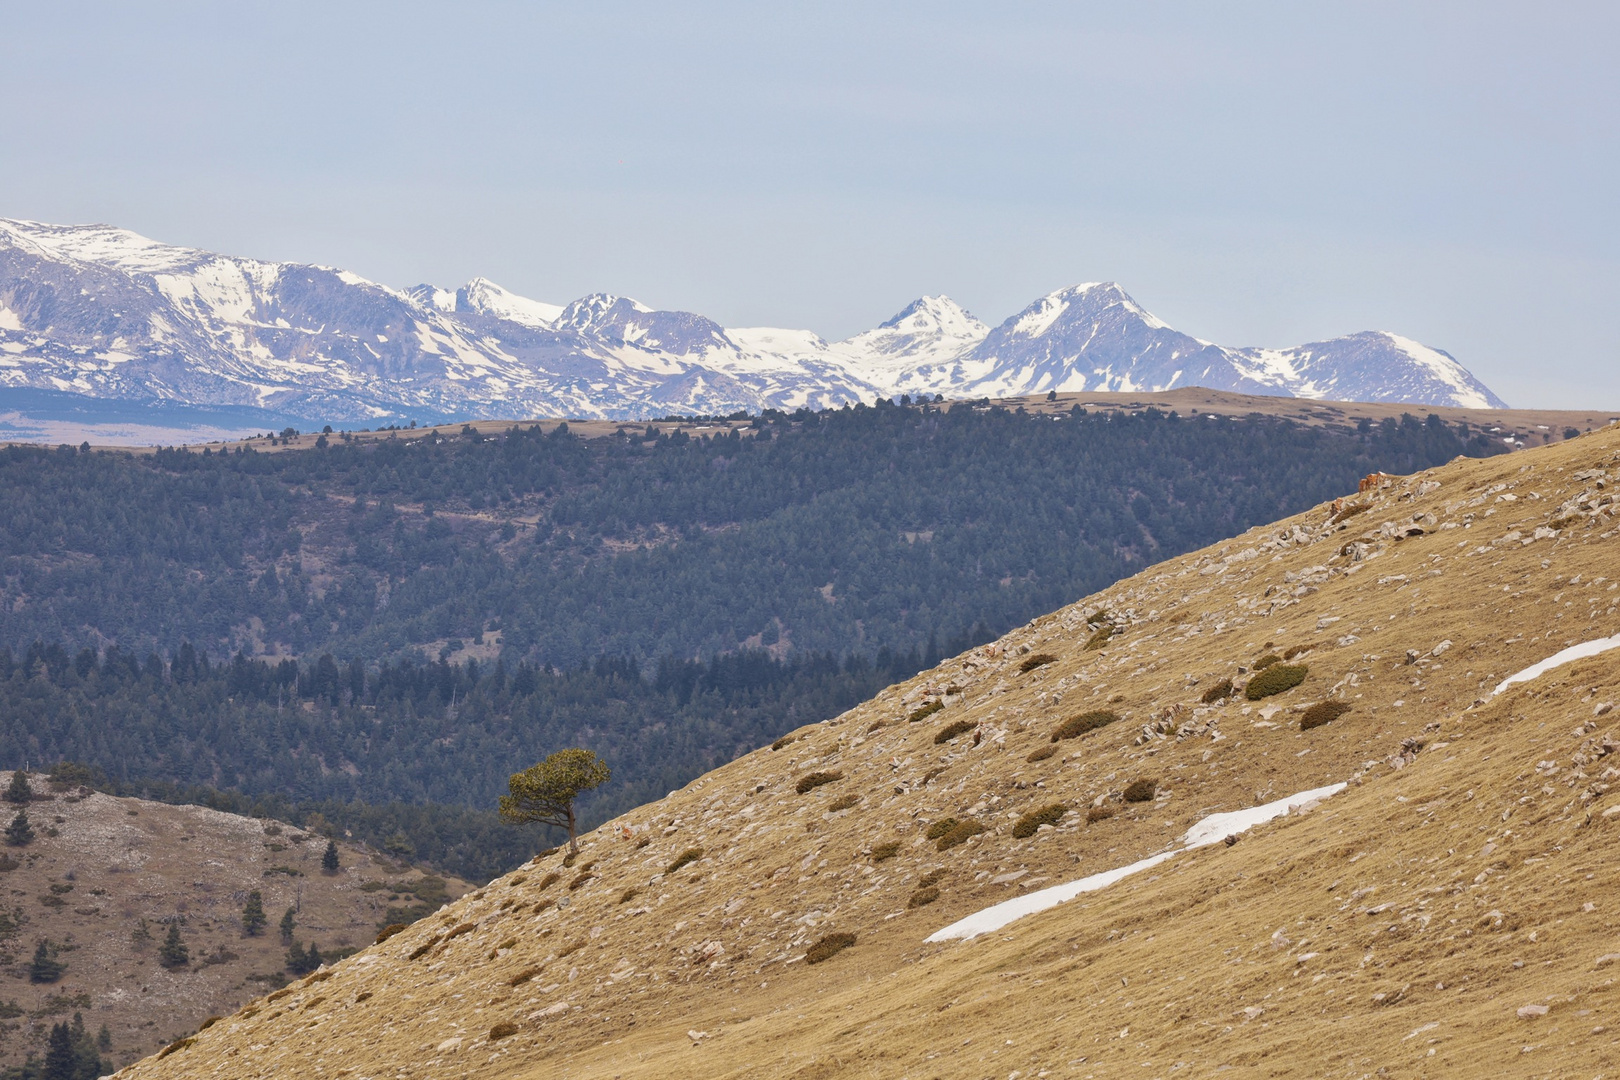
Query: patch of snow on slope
(1558, 659)
(106, 245)
(484, 296)
(1042, 314)
(1444, 368)
(1210, 830)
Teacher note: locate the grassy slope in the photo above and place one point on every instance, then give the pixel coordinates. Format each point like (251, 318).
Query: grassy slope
(124, 860)
(1324, 944)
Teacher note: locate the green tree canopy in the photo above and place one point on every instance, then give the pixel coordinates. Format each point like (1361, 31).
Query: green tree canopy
(253, 918)
(174, 953)
(19, 791)
(20, 832)
(545, 792)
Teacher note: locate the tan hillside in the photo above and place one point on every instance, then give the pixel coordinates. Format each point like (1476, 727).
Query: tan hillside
(99, 866)
(1451, 912)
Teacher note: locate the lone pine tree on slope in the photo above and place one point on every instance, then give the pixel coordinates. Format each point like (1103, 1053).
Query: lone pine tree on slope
(253, 918)
(545, 792)
(21, 831)
(19, 791)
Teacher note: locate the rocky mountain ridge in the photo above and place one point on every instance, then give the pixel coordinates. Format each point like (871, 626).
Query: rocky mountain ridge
(1448, 912)
(102, 313)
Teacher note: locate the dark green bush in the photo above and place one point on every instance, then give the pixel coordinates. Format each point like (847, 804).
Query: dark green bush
(690, 855)
(1219, 692)
(1040, 659)
(958, 834)
(1042, 753)
(952, 730)
(1266, 661)
(828, 947)
(1274, 680)
(886, 850)
(1323, 712)
(811, 781)
(923, 712)
(923, 896)
(1031, 822)
(1141, 790)
(1075, 726)
(940, 828)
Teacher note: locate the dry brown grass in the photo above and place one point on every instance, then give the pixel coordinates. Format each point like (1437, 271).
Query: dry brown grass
(1322, 944)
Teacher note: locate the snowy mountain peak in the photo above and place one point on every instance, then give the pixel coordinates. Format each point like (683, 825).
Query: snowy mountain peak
(484, 297)
(107, 313)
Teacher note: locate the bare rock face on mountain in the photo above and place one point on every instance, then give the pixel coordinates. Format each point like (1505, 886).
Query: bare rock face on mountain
(1429, 664)
(100, 313)
(104, 880)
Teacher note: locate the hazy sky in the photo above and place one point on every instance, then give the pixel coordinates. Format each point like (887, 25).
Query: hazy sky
(1254, 174)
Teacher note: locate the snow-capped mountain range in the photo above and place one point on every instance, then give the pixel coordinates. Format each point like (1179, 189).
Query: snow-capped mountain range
(104, 313)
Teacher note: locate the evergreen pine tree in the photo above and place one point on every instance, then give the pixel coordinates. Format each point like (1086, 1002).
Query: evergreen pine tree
(45, 968)
(19, 792)
(60, 1060)
(104, 1038)
(253, 918)
(287, 924)
(20, 832)
(173, 952)
(329, 861)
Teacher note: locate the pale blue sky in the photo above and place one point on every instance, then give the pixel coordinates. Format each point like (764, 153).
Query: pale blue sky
(1253, 173)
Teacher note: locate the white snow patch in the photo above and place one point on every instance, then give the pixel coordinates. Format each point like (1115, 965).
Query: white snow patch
(1558, 659)
(1210, 830)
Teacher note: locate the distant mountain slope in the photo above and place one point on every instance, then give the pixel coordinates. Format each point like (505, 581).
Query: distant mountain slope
(106, 313)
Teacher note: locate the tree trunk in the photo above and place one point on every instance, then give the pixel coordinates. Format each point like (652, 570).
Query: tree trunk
(573, 842)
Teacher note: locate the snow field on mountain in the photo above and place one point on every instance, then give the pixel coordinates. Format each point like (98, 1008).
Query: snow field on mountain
(1210, 830)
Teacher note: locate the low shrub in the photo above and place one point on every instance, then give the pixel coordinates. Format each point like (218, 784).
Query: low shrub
(828, 947)
(1075, 726)
(931, 773)
(1219, 692)
(1266, 661)
(690, 855)
(570, 858)
(502, 1030)
(783, 741)
(389, 931)
(629, 894)
(1296, 650)
(843, 802)
(524, 976)
(1349, 510)
(1031, 822)
(811, 781)
(933, 877)
(952, 730)
(924, 896)
(886, 850)
(1141, 790)
(1275, 680)
(959, 833)
(1100, 813)
(940, 828)
(1099, 637)
(1040, 659)
(548, 881)
(1042, 753)
(571, 949)
(1323, 712)
(877, 725)
(923, 712)
(585, 877)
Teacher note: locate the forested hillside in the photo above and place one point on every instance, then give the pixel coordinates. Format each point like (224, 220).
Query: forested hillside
(376, 628)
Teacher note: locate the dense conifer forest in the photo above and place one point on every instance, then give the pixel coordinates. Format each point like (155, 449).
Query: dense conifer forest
(382, 631)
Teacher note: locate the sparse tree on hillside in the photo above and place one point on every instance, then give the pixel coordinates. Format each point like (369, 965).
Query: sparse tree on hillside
(301, 961)
(329, 861)
(173, 953)
(545, 792)
(253, 919)
(20, 832)
(288, 922)
(45, 967)
(19, 792)
(61, 1063)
